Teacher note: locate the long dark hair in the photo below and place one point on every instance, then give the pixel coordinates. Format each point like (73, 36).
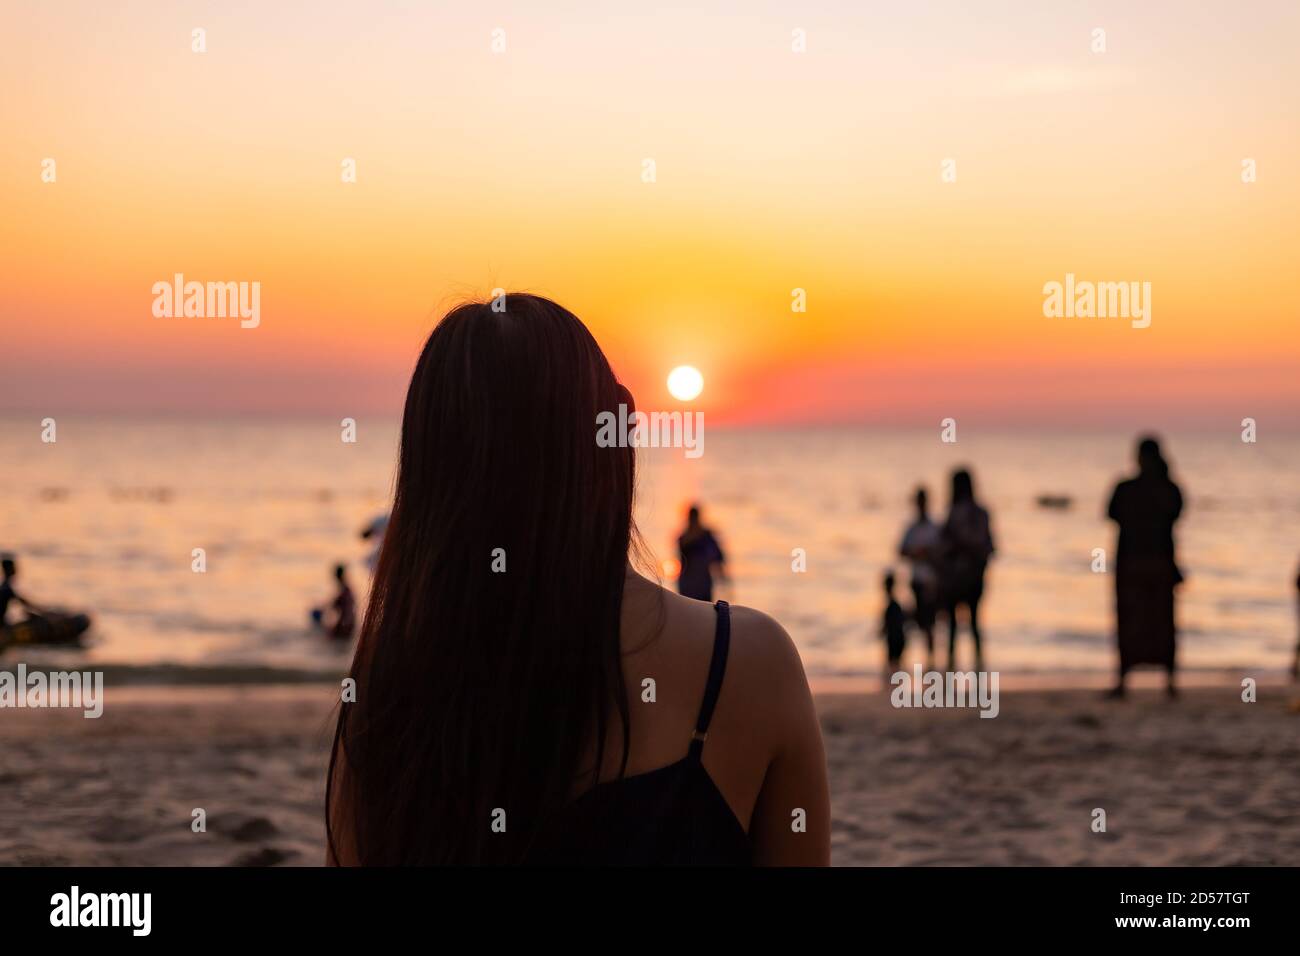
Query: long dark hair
(485, 677)
(1151, 460)
(963, 487)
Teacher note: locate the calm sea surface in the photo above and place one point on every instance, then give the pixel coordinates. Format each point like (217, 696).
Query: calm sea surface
(106, 518)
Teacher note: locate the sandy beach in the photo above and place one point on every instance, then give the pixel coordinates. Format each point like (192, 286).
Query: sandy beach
(1204, 780)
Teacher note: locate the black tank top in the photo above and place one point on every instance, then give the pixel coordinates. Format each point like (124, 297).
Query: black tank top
(674, 815)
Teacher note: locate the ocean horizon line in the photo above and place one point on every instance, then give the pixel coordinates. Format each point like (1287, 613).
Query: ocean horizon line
(910, 425)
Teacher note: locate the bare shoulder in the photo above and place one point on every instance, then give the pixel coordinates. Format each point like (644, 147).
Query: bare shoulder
(768, 727)
(765, 640)
(760, 646)
(764, 682)
(764, 743)
(762, 658)
(774, 705)
(764, 669)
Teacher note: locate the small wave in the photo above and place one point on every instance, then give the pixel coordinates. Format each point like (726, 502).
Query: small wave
(197, 624)
(159, 495)
(1240, 604)
(1085, 638)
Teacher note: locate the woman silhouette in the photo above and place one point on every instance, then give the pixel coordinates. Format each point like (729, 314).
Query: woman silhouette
(967, 546)
(700, 554)
(522, 695)
(1146, 508)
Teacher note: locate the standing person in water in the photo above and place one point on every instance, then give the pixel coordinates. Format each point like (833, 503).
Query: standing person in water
(699, 552)
(339, 619)
(1145, 508)
(502, 711)
(967, 546)
(1295, 666)
(892, 628)
(921, 546)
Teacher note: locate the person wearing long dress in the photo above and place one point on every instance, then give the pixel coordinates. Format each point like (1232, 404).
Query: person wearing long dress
(1295, 666)
(1146, 508)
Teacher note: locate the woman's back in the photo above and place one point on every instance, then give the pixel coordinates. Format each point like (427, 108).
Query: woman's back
(698, 551)
(1146, 508)
(725, 763)
(716, 696)
(671, 813)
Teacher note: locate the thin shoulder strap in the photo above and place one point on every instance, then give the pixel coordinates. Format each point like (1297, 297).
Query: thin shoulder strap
(717, 668)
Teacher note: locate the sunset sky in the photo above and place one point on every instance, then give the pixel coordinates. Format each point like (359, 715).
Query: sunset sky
(775, 170)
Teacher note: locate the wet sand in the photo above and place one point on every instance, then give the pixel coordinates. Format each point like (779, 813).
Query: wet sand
(1204, 780)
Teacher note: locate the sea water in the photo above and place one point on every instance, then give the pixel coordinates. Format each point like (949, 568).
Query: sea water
(106, 520)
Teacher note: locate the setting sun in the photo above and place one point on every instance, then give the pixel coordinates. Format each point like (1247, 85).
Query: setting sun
(685, 383)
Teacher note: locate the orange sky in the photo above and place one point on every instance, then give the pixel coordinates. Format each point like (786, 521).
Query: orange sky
(775, 170)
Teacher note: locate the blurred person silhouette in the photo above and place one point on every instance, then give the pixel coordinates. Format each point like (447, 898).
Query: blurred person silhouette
(921, 545)
(1146, 573)
(41, 624)
(338, 619)
(1295, 666)
(892, 626)
(374, 532)
(967, 545)
(9, 594)
(699, 553)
